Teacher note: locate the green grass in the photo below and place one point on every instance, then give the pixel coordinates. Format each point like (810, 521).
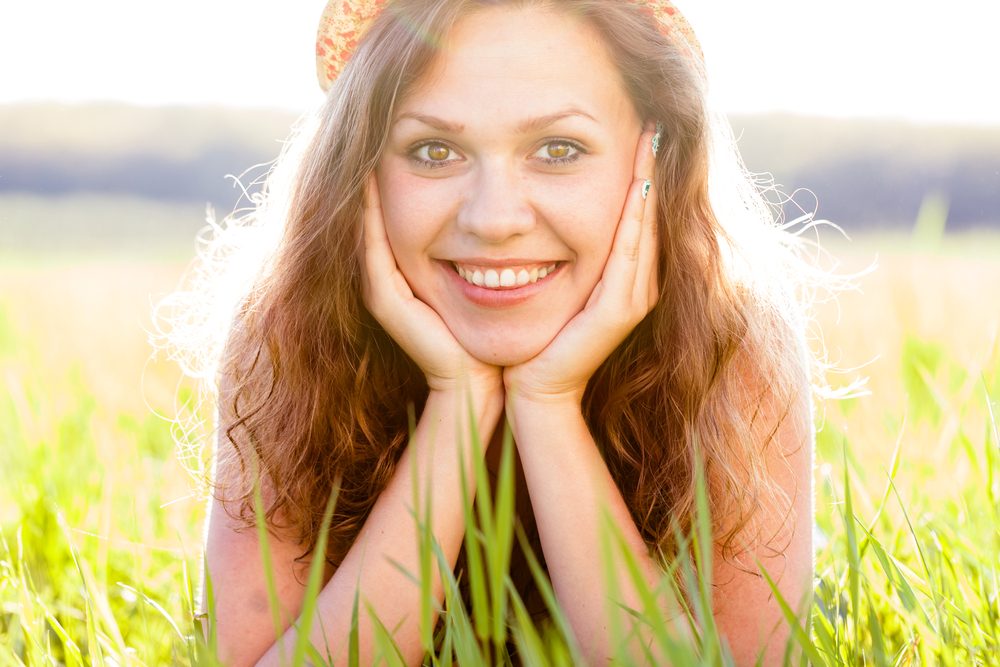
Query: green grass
(101, 526)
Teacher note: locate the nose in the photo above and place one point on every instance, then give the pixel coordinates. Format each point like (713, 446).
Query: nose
(496, 207)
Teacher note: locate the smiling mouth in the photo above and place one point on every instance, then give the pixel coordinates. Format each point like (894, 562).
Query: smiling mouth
(504, 279)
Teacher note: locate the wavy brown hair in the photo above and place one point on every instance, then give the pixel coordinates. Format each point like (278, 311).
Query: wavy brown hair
(315, 393)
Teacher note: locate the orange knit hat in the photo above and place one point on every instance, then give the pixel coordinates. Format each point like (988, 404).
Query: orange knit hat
(345, 22)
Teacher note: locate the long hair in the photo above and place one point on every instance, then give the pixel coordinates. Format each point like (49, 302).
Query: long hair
(313, 392)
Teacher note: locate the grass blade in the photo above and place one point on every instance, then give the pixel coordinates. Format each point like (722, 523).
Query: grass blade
(652, 616)
(385, 647)
(475, 568)
(529, 643)
(502, 540)
(548, 595)
(791, 618)
(458, 625)
(314, 581)
(853, 556)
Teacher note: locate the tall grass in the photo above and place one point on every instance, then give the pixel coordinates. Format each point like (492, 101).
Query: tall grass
(100, 527)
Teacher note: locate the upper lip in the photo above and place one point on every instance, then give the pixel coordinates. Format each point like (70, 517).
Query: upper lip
(502, 263)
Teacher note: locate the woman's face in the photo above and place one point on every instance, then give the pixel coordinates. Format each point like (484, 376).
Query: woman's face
(505, 176)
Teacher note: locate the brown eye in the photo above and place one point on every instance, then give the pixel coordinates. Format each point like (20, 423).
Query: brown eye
(438, 152)
(434, 154)
(559, 151)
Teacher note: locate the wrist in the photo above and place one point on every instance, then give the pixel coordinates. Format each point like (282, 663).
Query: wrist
(522, 397)
(542, 422)
(482, 390)
(543, 410)
(484, 399)
(485, 382)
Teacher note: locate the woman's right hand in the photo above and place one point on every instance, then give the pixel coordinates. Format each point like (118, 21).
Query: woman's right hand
(414, 325)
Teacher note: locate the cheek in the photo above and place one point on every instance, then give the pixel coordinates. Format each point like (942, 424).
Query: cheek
(413, 214)
(585, 210)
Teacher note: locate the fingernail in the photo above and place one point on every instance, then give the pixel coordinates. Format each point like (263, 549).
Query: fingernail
(656, 138)
(646, 186)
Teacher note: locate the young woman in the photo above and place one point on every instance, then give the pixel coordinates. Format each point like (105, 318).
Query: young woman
(523, 207)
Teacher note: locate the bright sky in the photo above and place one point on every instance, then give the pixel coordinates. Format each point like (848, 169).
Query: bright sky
(915, 59)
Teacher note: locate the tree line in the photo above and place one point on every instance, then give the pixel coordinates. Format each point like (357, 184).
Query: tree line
(858, 173)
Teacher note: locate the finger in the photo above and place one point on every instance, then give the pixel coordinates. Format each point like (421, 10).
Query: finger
(646, 281)
(377, 250)
(626, 250)
(369, 237)
(377, 247)
(646, 290)
(365, 243)
(647, 252)
(371, 199)
(382, 283)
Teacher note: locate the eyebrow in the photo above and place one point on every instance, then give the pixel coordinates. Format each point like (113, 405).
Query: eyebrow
(526, 126)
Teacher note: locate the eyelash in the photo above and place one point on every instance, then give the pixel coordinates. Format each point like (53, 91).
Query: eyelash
(435, 164)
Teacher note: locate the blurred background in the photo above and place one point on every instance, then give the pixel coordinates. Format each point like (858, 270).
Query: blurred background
(119, 124)
(122, 122)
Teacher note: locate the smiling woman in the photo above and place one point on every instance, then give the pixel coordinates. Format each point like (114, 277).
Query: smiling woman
(515, 210)
(486, 172)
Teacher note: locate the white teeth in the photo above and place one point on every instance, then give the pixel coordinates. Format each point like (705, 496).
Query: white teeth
(505, 278)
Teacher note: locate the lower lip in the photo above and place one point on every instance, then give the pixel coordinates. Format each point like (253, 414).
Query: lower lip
(498, 298)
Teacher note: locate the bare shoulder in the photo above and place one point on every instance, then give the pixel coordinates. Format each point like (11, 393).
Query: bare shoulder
(235, 558)
(777, 402)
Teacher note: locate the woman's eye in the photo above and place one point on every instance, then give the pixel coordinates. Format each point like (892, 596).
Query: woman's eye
(559, 152)
(433, 154)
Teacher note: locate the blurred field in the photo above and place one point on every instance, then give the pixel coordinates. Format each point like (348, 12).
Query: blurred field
(101, 525)
(67, 228)
(933, 305)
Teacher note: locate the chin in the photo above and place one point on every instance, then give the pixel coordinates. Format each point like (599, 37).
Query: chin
(503, 353)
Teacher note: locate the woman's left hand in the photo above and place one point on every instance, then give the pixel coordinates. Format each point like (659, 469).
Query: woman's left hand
(627, 291)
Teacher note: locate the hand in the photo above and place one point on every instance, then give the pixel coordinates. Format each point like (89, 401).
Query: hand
(627, 291)
(414, 325)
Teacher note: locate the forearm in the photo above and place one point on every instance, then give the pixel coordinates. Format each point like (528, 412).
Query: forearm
(571, 489)
(389, 538)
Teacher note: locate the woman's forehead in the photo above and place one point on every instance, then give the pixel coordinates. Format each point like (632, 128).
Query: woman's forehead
(518, 63)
